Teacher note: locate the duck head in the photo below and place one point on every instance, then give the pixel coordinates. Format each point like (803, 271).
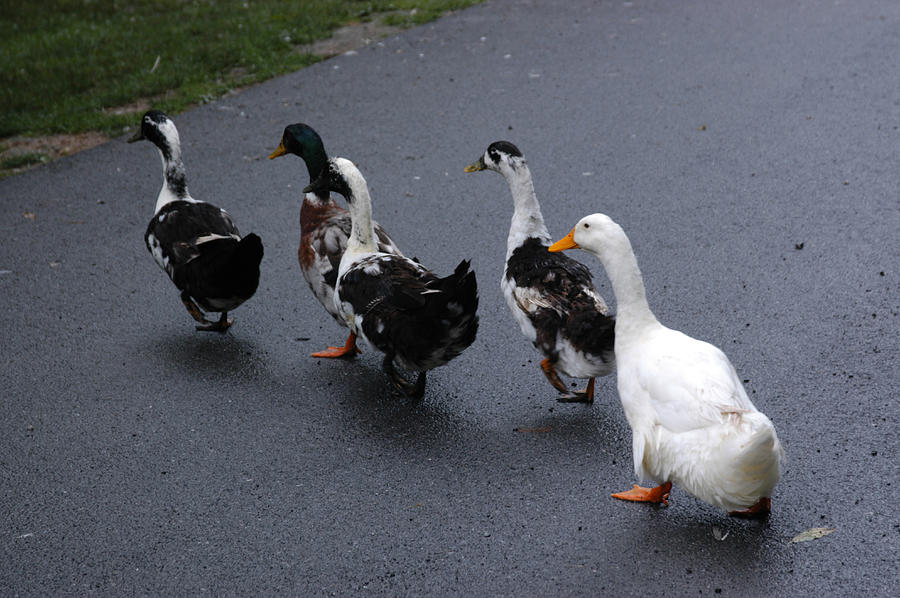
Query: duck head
(500, 156)
(337, 177)
(158, 128)
(302, 140)
(595, 234)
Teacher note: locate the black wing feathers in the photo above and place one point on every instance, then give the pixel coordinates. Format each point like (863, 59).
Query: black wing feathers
(562, 283)
(205, 255)
(183, 221)
(531, 265)
(409, 313)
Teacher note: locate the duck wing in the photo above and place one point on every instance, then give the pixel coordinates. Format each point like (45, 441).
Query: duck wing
(545, 280)
(177, 230)
(691, 384)
(556, 294)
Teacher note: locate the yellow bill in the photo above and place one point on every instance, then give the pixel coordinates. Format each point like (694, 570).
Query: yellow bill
(567, 242)
(279, 151)
(475, 166)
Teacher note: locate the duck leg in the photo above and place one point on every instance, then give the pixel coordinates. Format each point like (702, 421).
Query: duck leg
(348, 350)
(221, 326)
(759, 510)
(413, 391)
(579, 396)
(585, 395)
(660, 494)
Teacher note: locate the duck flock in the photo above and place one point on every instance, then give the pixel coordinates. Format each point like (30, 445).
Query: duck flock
(691, 419)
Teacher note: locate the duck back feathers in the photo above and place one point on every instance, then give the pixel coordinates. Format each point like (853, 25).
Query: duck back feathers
(201, 250)
(406, 311)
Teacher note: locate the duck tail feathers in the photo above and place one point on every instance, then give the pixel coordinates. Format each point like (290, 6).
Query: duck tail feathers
(756, 465)
(249, 253)
(457, 307)
(224, 268)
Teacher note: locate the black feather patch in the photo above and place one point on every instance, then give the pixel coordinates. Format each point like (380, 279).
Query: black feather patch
(199, 246)
(563, 284)
(505, 147)
(407, 312)
(184, 221)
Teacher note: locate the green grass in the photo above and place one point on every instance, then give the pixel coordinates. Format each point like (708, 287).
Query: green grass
(64, 63)
(20, 160)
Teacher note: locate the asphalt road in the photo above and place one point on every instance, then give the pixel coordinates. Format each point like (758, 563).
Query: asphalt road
(141, 458)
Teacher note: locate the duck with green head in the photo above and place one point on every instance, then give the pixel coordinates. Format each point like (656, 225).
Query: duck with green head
(324, 229)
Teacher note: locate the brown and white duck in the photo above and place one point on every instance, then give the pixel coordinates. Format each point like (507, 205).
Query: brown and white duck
(324, 229)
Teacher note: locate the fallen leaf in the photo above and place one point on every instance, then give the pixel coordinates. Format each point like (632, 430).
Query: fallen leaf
(28, 215)
(813, 533)
(718, 534)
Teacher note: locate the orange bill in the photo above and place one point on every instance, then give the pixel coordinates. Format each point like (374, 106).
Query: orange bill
(279, 151)
(567, 242)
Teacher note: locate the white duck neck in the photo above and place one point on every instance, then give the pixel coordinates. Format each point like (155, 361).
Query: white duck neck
(620, 263)
(174, 179)
(362, 231)
(527, 220)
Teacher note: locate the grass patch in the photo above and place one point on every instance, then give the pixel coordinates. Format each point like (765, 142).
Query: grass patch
(22, 160)
(65, 63)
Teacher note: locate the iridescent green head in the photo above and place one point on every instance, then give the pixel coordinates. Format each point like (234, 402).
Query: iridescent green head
(301, 140)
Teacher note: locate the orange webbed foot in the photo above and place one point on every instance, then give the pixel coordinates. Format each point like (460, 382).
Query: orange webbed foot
(660, 494)
(761, 509)
(348, 350)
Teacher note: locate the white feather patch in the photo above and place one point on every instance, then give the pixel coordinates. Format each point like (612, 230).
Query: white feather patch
(530, 299)
(213, 237)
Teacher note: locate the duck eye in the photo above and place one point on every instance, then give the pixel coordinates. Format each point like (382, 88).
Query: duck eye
(586, 225)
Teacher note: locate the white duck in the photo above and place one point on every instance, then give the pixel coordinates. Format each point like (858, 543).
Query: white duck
(195, 242)
(394, 303)
(551, 296)
(691, 420)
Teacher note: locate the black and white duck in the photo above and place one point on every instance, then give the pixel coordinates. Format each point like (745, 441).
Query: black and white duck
(324, 229)
(195, 242)
(418, 320)
(550, 295)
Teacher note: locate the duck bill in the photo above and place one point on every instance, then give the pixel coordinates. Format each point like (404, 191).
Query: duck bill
(475, 166)
(137, 136)
(567, 242)
(279, 151)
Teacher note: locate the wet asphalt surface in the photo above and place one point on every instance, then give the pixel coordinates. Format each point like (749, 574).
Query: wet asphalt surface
(750, 150)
